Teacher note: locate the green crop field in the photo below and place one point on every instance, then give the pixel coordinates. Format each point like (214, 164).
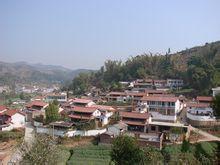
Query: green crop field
(90, 155)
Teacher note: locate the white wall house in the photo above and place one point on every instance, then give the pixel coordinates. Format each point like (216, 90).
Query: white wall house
(162, 108)
(215, 91)
(174, 83)
(60, 97)
(200, 114)
(16, 118)
(81, 102)
(106, 113)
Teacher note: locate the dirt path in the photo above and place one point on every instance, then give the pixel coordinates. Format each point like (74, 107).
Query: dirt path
(206, 136)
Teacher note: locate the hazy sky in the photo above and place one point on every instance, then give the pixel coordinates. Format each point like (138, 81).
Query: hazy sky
(85, 33)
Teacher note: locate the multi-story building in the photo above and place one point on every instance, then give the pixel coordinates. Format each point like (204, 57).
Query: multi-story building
(132, 96)
(83, 113)
(174, 83)
(162, 108)
(215, 91)
(136, 121)
(204, 99)
(60, 97)
(106, 113)
(81, 102)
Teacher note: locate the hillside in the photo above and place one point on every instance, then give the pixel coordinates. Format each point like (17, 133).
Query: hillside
(199, 67)
(22, 72)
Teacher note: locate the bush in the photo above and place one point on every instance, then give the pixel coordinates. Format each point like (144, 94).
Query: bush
(11, 135)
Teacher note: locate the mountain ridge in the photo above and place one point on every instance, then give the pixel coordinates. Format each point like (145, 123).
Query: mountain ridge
(21, 72)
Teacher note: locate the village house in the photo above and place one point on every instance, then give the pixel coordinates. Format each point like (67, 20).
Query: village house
(162, 108)
(112, 132)
(35, 108)
(60, 97)
(174, 83)
(78, 114)
(11, 119)
(2, 108)
(204, 99)
(99, 112)
(160, 83)
(142, 86)
(106, 113)
(215, 91)
(136, 121)
(132, 96)
(201, 116)
(81, 102)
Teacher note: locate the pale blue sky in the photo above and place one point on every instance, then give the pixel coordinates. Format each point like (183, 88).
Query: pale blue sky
(85, 33)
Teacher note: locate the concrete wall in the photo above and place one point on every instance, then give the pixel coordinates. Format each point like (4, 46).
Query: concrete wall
(203, 123)
(200, 117)
(85, 133)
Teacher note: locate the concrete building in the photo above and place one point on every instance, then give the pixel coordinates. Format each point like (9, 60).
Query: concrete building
(162, 108)
(215, 91)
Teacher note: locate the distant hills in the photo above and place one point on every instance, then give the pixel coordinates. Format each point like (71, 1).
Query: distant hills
(23, 72)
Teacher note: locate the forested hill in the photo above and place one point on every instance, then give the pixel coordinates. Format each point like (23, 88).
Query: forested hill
(22, 72)
(199, 67)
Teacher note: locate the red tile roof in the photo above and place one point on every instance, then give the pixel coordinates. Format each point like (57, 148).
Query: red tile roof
(147, 91)
(160, 98)
(82, 101)
(135, 115)
(2, 107)
(133, 122)
(118, 93)
(204, 98)
(36, 103)
(11, 112)
(197, 105)
(84, 109)
(155, 91)
(77, 116)
(104, 107)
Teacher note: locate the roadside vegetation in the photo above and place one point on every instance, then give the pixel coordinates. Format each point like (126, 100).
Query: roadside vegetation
(6, 136)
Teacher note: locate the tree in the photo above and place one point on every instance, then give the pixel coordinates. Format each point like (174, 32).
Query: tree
(200, 71)
(152, 155)
(81, 83)
(52, 112)
(216, 105)
(185, 146)
(125, 151)
(43, 151)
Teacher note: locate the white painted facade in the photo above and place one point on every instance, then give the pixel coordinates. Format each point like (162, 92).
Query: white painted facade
(151, 106)
(215, 91)
(18, 120)
(201, 114)
(69, 133)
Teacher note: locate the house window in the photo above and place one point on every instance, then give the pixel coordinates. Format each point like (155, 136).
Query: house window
(153, 128)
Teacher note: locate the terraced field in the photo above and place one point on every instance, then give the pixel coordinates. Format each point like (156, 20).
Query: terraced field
(90, 155)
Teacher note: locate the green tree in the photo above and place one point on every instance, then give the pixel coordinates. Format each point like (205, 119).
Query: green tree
(199, 71)
(125, 151)
(81, 83)
(216, 105)
(185, 146)
(52, 112)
